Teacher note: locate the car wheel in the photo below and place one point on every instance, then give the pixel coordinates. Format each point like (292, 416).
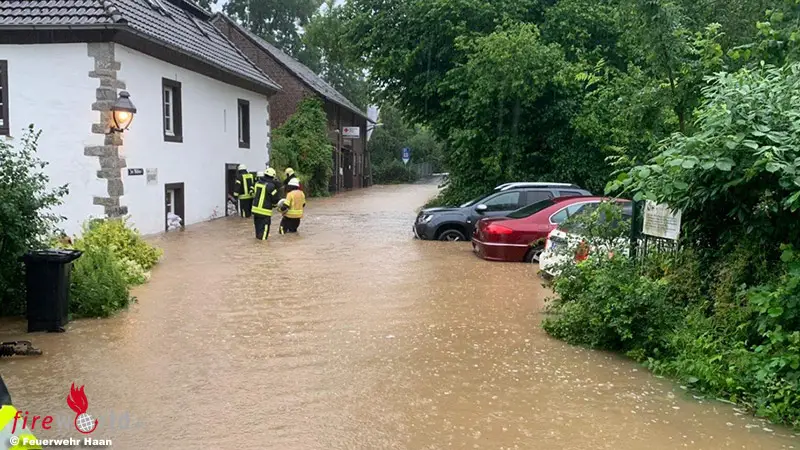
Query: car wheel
(533, 254)
(452, 235)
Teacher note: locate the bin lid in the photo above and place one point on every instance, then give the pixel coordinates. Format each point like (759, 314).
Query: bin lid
(52, 255)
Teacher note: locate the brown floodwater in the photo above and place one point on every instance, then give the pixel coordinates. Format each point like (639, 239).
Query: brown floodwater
(353, 335)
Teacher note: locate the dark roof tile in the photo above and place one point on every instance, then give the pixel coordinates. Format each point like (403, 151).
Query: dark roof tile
(177, 29)
(301, 70)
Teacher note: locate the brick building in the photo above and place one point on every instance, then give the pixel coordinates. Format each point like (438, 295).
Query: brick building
(351, 162)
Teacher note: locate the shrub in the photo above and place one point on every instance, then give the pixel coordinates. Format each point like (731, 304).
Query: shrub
(393, 171)
(25, 214)
(99, 286)
(604, 303)
(115, 257)
(126, 242)
(302, 143)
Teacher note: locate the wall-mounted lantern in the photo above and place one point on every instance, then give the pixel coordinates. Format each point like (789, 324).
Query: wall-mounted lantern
(122, 112)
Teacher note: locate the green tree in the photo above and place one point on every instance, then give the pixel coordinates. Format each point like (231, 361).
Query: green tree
(338, 63)
(278, 22)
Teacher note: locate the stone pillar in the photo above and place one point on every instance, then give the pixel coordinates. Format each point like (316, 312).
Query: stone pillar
(111, 162)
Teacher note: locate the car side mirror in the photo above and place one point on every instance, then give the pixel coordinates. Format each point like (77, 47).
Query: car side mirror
(481, 208)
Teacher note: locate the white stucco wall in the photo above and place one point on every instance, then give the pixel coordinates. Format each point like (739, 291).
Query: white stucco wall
(49, 86)
(210, 140)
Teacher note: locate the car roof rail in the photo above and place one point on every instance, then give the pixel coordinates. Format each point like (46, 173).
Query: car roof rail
(507, 186)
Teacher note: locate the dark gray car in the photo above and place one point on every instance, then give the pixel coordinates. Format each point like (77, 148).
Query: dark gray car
(456, 223)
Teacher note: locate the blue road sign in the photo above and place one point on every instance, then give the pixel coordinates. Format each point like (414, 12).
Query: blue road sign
(406, 155)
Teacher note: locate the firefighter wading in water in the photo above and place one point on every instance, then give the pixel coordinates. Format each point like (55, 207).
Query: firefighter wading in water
(245, 184)
(265, 199)
(293, 207)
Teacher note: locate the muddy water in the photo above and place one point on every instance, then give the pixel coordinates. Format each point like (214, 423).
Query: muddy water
(352, 335)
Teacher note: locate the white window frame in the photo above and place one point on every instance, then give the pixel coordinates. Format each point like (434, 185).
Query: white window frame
(169, 111)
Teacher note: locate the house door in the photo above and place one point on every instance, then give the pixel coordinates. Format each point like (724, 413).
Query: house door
(347, 162)
(174, 203)
(231, 170)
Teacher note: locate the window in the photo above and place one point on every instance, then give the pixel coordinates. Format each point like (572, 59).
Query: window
(569, 193)
(504, 202)
(173, 123)
(531, 209)
(244, 124)
(560, 216)
(4, 128)
(537, 196)
(582, 208)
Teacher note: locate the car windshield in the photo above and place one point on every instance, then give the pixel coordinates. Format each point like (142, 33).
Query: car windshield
(531, 209)
(472, 202)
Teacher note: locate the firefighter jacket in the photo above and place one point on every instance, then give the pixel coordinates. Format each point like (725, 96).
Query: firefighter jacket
(295, 201)
(266, 197)
(245, 185)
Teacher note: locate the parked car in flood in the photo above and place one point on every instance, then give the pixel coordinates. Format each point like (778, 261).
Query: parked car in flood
(457, 223)
(520, 235)
(565, 244)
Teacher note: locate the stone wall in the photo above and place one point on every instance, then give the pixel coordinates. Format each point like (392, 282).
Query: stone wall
(111, 162)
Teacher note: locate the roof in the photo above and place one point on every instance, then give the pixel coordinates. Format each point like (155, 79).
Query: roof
(177, 24)
(305, 74)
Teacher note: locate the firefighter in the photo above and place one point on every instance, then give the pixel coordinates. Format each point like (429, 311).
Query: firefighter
(245, 183)
(265, 198)
(277, 180)
(292, 207)
(289, 177)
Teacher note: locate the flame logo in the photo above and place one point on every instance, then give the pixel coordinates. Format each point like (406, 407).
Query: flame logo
(78, 402)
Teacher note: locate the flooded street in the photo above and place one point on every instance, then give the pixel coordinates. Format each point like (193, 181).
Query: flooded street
(354, 335)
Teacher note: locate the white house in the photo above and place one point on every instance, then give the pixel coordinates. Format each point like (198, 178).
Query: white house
(201, 105)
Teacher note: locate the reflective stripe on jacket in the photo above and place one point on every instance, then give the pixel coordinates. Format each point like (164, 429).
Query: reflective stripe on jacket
(7, 414)
(266, 197)
(296, 201)
(244, 186)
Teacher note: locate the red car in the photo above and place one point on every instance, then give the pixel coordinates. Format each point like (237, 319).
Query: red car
(520, 236)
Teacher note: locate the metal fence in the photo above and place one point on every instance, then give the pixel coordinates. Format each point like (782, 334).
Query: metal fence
(642, 244)
(424, 169)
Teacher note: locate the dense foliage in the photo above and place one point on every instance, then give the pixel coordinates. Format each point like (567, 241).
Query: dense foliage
(302, 144)
(277, 22)
(25, 214)
(561, 91)
(387, 143)
(114, 258)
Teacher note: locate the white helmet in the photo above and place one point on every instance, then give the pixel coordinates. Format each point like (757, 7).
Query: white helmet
(260, 174)
(242, 167)
(294, 182)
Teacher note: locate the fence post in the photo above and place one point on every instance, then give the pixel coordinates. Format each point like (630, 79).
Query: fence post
(636, 228)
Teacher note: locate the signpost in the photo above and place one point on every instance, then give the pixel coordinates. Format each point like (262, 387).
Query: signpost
(661, 222)
(351, 132)
(135, 172)
(406, 155)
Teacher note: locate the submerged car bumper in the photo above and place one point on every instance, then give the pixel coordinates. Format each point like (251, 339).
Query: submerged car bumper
(422, 231)
(499, 251)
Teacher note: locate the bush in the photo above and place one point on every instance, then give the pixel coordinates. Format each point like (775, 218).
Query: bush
(393, 172)
(604, 303)
(25, 214)
(126, 242)
(99, 286)
(302, 144)
(115, 257)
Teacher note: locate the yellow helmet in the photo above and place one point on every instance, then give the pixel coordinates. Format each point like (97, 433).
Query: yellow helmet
(270, 172)
(289, 171)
